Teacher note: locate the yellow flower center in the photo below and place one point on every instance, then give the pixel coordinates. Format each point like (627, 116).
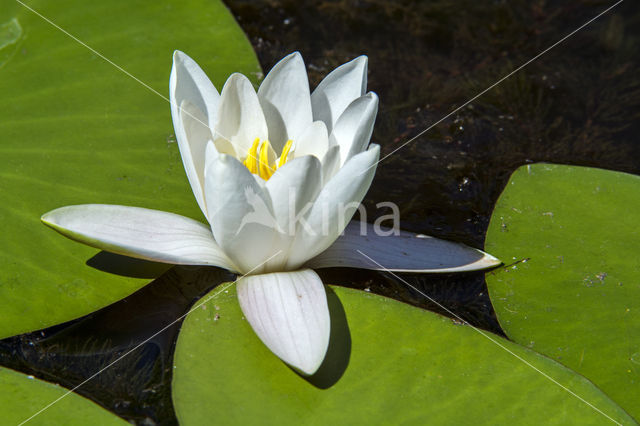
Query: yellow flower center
(258, 160)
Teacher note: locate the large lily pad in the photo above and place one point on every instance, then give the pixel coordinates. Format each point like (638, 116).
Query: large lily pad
(403, 366)
(24, 396)
(577, 297)
(75, 129)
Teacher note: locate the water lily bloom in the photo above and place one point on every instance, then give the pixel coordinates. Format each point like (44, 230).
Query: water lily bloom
(278, 175)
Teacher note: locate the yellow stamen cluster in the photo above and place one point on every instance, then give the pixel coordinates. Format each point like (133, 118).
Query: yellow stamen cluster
(258, 161)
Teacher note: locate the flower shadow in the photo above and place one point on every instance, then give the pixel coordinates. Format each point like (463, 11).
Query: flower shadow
(339, 352)
(127, 266)
(152, 314)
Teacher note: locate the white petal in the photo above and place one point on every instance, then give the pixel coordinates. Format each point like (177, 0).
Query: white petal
(242, 221)
(314, 140)
(190, 89)
(338, 89)
(188, 82)
(210, 155)
(197, 133)
(334, 207)
(353, 129)
(330, 163)
(362, 247)
(240, 119)
(140, 233)
(293, 189)
(289, 313)
(285, 99)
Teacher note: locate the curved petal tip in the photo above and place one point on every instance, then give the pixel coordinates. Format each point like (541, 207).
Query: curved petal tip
(364, 246)
(141, 233)
(487, 261)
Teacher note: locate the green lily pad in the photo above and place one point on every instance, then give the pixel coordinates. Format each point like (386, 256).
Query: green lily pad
(577, 297)
(23, 396)
(392, 364)
(75, 129)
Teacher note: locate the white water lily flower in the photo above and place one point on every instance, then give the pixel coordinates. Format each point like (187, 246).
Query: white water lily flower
(272, 172)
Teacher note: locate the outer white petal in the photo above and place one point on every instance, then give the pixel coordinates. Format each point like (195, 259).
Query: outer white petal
(285, 99)
(338, 89)
(240, 118)
(197, 133)
(362, 247)
(190, 88)
(289, 312)
(334, 207)
(210, 155)
(353, 129)
(293, 189)
(294, 186)
(140, 233)
(330, 163)
(314, 140)
(188, 82)
(242, 221)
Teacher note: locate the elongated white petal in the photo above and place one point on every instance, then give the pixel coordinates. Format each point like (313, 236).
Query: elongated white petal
(197, 133)
(334, 207)
(330, 163)
(364, 246)
(285, 99)
(140, 233)
(240, 119)
(354, 127)
(194, 103)
(188, 82)
(314, 140)
(338, 89)
(210, 155)
(289, 312)
(242, 221)
(293, 189)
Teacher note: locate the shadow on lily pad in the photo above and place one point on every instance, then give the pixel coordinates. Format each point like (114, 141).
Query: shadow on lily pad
(337, 359)
(127, 266)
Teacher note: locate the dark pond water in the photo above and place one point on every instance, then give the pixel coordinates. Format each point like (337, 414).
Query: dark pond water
(577, 104)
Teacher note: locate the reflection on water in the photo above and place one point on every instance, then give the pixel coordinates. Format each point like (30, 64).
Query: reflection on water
(578, 104)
